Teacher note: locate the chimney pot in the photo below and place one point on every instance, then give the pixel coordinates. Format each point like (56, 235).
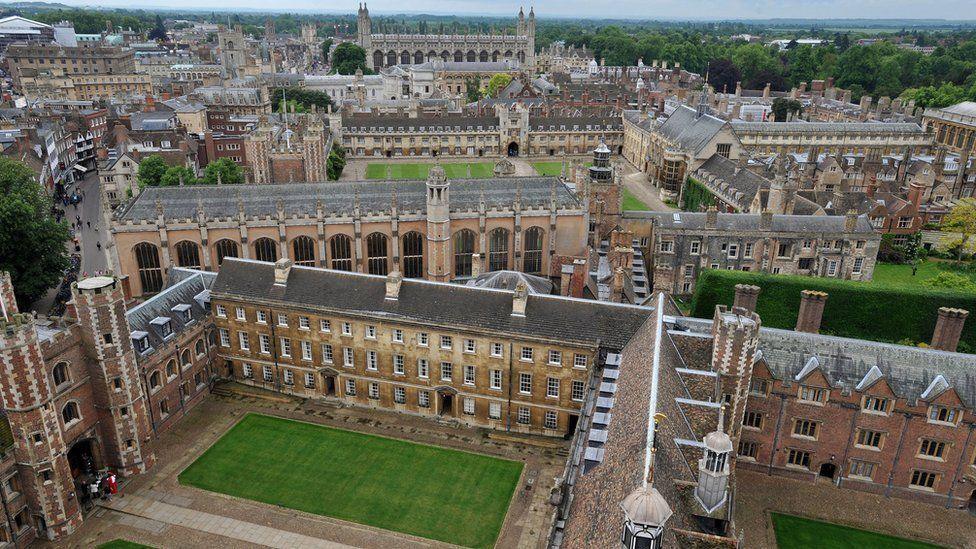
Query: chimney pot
(746, 297)
(520, 299)
(948, 328)
(811, 311)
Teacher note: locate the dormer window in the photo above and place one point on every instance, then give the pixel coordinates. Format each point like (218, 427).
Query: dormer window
(815, 395)
(943, 414)
(164, 325)
(184, 313)
(876, 405)
(140, 340)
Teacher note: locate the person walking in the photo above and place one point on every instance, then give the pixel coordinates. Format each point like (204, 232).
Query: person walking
(89, 224)
(98, 245)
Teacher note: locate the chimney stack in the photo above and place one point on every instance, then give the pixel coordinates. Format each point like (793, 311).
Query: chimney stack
(746, 297)
(850, 221)
(393, 282)
(520, 299)
(282, 268)
(812, 305)
(948, 328)
(765, 220)
(475, 265)
(711, 217)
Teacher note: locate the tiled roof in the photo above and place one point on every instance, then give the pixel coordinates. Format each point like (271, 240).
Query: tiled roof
(825, 127)
(741, 180)
(750, 222)
(689, 131)
(433, 304)
(186, 285)
(339, 198)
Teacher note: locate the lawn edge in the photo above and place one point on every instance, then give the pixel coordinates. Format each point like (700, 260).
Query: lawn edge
(772, 524)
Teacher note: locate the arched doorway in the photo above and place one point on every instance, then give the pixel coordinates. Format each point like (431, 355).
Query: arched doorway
(513, 149)
(82, 459)
(446, 397)
(828, 470)
(972, 503)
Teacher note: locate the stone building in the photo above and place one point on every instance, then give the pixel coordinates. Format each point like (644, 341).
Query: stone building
(387, 50)
(521, 364)
(84, 392)
(885, 138)
(954, 127)
(57, 84)
(680, 245)
(287, 149)
(80, 60)
(234, 54)
(234, 100)
(511, 132)
(438, 229)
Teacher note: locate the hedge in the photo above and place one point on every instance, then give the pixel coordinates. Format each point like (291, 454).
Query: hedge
(854, 309)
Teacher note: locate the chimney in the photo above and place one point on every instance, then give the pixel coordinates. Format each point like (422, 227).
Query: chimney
(617, 286)
(393, 282)
(101, 153)
(520, 299)
(746, 297)
(812, 305)
(765, 220)
(915, 192)
(475, 265)
(282, 268)
(948, 328)
(711, 217)
(850, 221)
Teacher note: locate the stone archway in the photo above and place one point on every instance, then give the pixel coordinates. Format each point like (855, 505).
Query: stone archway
(513, 149)
(828, 470)
(446, 401)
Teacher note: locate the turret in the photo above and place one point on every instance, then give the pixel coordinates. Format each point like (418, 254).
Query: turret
(645, 514)
(713, 467)
(438, 225)
(735, 341)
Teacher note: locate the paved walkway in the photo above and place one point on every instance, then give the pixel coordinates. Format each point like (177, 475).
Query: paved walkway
(636, 182)
(239, 530)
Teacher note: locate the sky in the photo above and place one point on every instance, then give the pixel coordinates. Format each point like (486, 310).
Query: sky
(617, 9)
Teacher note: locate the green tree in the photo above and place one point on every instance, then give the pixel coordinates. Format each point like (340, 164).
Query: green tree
(158, 31)
(497, 83)
(335, 163)
(960, 226)
(151, 171)
(951, 281)
(171, 177)
(349, 57)
(230, 172)
(326, 46)
(471, 90)
(32, 244)
(782, 107)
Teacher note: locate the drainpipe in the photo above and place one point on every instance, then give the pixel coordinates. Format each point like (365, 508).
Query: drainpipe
(847, 448)
(894, 464)
(274, 351)
(779, 423)
(962, 459)
(511, 366)
(152, 418)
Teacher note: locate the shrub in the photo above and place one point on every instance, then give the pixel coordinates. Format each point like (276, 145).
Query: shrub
(854, 309)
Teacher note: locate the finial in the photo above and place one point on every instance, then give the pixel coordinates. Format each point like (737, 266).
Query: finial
(220, 178)
(721, 418)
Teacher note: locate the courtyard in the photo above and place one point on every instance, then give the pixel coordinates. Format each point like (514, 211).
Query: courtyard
(447, 495)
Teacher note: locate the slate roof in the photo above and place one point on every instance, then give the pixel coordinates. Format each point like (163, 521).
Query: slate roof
(741, 180)
(824, 127)
(433, 304)
(688, 131)
(750, 222)
(366, 121)
(185, 286)
(845, 361)
(338, 198)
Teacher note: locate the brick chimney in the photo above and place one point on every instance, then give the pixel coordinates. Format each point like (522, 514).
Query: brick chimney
(812, 305)
(711, 217)
(617, 286)
(101, 153)
(948, 328)
(746, 297)
(393, 282)
(282, 268)
(915, 192)
(850, 221)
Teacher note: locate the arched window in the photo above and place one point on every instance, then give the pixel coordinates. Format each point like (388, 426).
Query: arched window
(472, 56)
(494, 55)
(304, 251)
(188, 254)
(391, 59)
(185, 358)
(377, 59)
(446, 55)
(498, 249)
(463, 251)
(458, 56)
(199, 347)
(225, 248)
(265, 250)
(70, 412)
(483, 56)
(340, 248)
(60, 373)
(171, 368)
(532, 258)
(376, 254)
(404, 57)
(418, 57)
(150, 273)
(154, 380)
(413, 255)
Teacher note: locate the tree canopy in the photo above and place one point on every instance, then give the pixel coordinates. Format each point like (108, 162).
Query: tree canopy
(348, 57)
(158, 32)
(230, 172)
(496, 84)
(32, 244)
(151, 170)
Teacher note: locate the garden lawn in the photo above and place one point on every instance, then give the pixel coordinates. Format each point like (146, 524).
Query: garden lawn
(122, 544)
(800, 533)
(900, 276)
(436, 493)
(631, 202)
(402, 170)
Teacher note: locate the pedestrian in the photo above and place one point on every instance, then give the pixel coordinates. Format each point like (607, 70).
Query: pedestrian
(89, 224)
(98, 245)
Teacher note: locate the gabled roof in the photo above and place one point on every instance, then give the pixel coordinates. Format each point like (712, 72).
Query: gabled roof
(688, 131)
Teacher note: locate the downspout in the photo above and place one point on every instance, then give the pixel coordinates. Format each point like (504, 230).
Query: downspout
(145, 387)
(274, 350)
(511, 366)
(847, 448)
(894, 464)
(779, 424)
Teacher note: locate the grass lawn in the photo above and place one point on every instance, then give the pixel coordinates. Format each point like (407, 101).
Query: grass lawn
(900, 276)
(553, 168)
(436, 493)
(122, 544)
(631, 202)
(800, 533)
(402, 170)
